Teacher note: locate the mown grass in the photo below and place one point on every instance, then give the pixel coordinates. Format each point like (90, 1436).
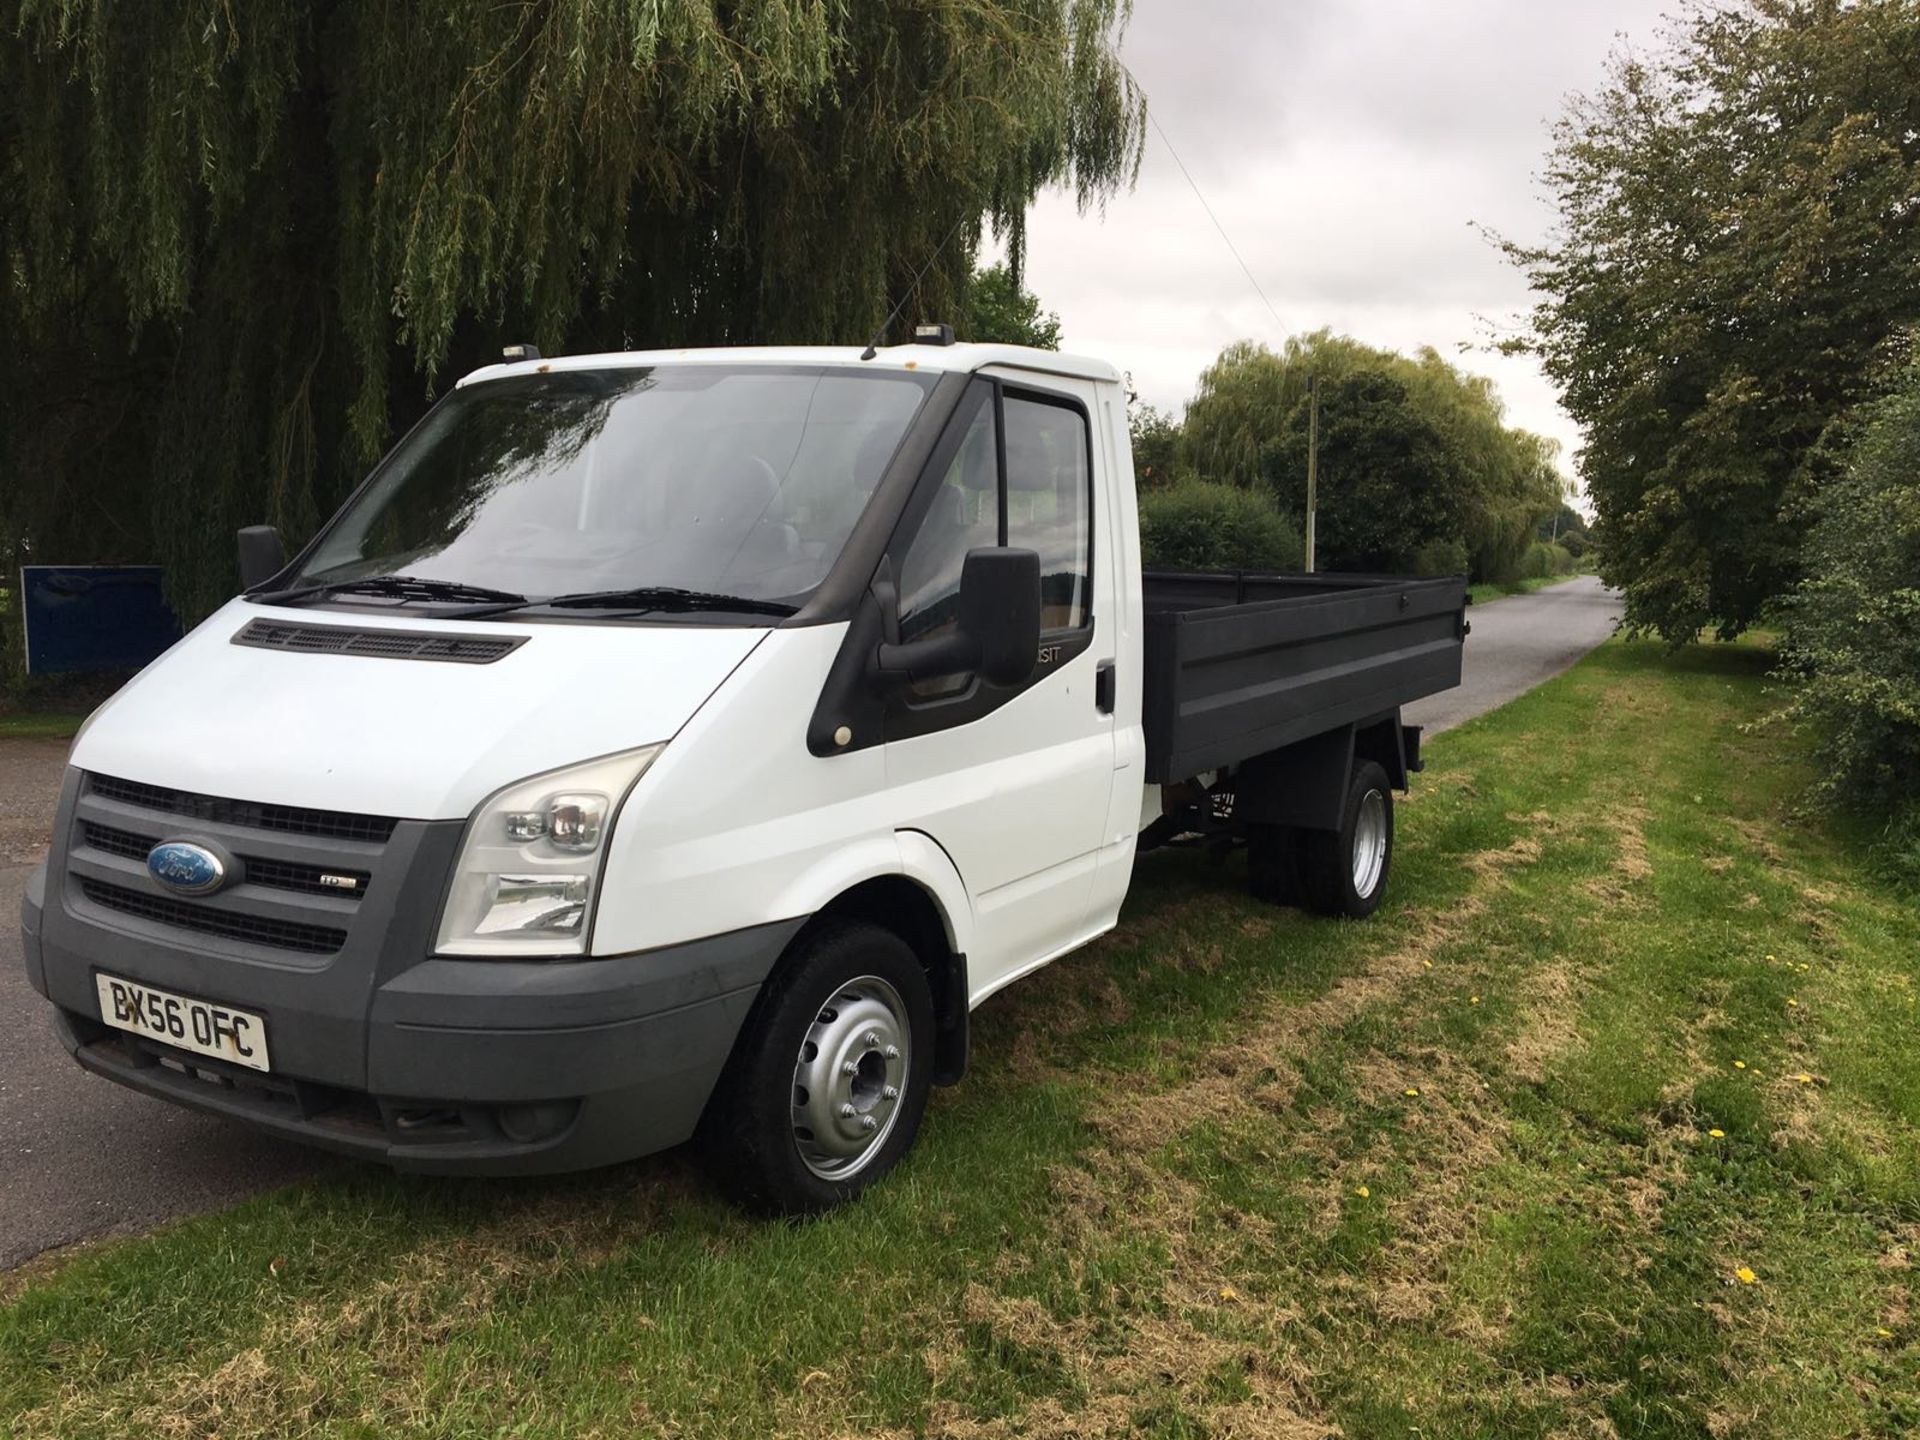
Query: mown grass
(1452, 1172)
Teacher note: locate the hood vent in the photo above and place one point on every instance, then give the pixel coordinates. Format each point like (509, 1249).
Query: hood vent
(378, 644)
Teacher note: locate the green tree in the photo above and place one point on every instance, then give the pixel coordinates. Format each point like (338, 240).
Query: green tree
(1000, 311)
(1417, 467)
(1853, 627)
(1739, 249)
(1159, 447)
(241, 245)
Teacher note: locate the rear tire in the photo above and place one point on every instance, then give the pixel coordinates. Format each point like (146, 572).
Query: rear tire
(828, 1082)
(1345, 872)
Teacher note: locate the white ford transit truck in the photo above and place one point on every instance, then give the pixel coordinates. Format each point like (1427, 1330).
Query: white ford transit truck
(686, 742)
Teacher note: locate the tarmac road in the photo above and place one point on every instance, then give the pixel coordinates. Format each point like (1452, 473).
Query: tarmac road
(80, 1157)
(1518, 643)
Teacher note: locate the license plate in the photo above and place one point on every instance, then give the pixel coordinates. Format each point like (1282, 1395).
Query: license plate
(217, 1030)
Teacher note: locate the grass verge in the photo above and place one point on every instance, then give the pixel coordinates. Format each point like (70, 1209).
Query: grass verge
(1486, 594)
(39, 727)
(1608, 1124)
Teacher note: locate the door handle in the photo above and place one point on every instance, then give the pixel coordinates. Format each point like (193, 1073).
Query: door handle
(1103, 683)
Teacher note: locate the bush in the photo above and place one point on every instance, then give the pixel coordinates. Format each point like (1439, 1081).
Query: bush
(1543, 560)
(1852, 644)
(1204, 525)
(1441, 557)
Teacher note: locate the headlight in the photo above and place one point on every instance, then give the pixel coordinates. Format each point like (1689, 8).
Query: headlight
(531, 859)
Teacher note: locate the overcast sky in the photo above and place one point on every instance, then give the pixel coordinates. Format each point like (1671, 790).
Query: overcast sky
(1346, 146)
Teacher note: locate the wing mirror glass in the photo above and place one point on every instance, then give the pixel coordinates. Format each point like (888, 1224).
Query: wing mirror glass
(262, 556)
(997, 636)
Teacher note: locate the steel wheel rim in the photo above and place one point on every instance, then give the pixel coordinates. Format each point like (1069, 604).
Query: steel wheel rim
(1369, 843)
(850, 1076)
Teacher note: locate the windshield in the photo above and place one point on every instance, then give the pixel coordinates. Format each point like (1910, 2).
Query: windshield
(743, 481)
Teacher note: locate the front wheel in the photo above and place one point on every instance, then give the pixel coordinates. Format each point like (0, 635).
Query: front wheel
(829, 1080)
(1344, 872)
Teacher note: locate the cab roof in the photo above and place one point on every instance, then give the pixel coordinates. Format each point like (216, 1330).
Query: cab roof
(938, 359)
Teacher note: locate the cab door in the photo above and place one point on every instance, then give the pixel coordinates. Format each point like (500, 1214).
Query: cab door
(1013, 782)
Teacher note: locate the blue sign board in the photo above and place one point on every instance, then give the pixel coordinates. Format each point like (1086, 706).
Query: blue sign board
(94, 617)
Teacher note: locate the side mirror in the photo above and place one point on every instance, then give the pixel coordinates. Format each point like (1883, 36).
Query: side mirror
(261, 555)
(998, 634)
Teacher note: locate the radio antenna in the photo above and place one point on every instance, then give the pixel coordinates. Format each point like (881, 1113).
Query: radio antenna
(873, 345)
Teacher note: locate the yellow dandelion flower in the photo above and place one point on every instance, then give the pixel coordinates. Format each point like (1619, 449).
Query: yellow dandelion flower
(1426, 964)
(1793, 1002)
(1718, 1134)
(1769, 959)
(1745, 1276)
(1227, 1292)
(1883, 1332)
(1474, 1000)
(1413, 1089)
(1361, 1191)
(1804, 1079)
(1739, 1064)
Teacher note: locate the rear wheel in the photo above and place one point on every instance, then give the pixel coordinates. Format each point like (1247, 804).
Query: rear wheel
(1344, 872)
(828, 1084)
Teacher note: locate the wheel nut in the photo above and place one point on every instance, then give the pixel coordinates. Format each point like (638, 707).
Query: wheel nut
(846, 1112)
(849, 1068)
(891, 1092)
(892, 1052)
(873, 1039)
(867, 1122)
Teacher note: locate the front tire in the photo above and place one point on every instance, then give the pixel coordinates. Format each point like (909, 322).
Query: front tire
(1344, 872)
(828, 1082)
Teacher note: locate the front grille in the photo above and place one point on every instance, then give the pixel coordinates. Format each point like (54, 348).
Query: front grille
(253, 929)
(259, 870)
(247, 814)
(379, 644)
(117, 842)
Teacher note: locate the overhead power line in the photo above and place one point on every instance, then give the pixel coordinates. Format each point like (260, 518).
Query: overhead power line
(1160, 130)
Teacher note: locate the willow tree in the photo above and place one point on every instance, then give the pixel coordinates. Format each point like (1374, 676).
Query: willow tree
(1418, 469)
(240, 246)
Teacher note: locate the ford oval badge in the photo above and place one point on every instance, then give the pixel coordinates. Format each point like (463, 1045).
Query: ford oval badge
(186, 868)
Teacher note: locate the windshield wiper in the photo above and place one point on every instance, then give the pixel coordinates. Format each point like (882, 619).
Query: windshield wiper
(399, 587)
(641, 599)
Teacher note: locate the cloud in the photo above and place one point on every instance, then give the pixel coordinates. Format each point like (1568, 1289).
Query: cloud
(1348, 147)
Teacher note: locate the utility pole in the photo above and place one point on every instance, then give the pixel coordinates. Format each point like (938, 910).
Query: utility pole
(1313, 458)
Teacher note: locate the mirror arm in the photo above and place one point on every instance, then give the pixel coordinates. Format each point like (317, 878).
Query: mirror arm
(949, 654)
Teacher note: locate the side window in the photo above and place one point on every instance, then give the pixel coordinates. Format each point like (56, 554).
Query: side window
(965, 516)
(1049, 483)
(1040, 504)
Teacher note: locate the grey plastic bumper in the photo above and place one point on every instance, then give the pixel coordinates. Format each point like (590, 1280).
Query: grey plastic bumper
(31, 908)
(444, 1065)
(618, 1055)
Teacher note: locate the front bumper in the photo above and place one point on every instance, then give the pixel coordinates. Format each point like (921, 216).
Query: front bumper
(482, 1068)
(425, 1064)
(583, 1065)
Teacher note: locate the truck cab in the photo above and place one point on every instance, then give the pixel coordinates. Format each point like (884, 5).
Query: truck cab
(684, 742)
